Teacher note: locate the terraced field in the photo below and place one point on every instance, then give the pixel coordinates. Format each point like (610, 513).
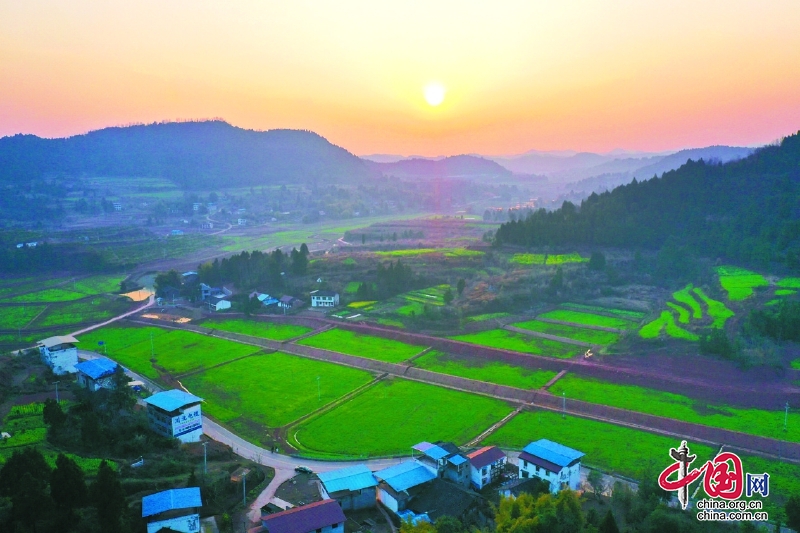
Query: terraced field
(739, 282)
(580, 317)
(482, 370)
(392, 416)
(592, 336)
(666, 322)
(508, 340)
(622, 313)
(350, 343)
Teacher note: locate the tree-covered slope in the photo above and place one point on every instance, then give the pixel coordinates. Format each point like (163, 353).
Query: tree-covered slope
(747, 210)
(193, 154)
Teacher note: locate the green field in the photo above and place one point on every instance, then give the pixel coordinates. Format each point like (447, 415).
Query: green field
(74, 290)
(411, 309)
(96, 310)
(350, 343)
(272, 390)
(508, 340)
(18, 316)
(257, 328)
(592, 336)
(176, 351)
(795, 364)
(49, 295)
(659, 403)
(588, 319)
(352, 287)
(448, 252)
(615, 449)
(431, 295)
(789, 283)
(685, 297)
(115, 338)
(716, 309)
(486, 316)
(667, 323)
(785, 292)
(623, 313)
(547, 259)
(739, 282)
(393, 415)
(683, 313)
(482, 370)
(364, 305)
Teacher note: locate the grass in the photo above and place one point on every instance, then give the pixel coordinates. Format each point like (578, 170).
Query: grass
(588, 319)
(359, 345)
(432, 295)
(352, 287)
(517, 342)
(176, 351)
(615, 449)
(623, 313)
(716, 309)
(739, 282)
(96, 310)
(18, 316)
(366, 304)
(97, 284)
(390, 322)
(482, 370)
(547, 259)
(486, 316)
(683, 313)
(789, 283)
(659, 403)
(411, 309)
(257, 328)
(667, 323)
(49, 295)
(571, 332)
(685, 297)
(393, 415)
(278, 388)
(785, 292)
(73, 291)
(795, 364)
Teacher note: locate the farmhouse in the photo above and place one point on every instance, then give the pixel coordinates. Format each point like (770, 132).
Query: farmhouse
(242, 222)
(555, 463)
(96, 374)
(175, 413)
(59, 353)
(319, 517)
(189, 277)
(196, 206)
(117, 206)
(353, 487)
(486, 466)
(219, 304)
(207, 225)
(289, 302)
(173, 510)
(445, 459)
(400, 483)
(324, 299)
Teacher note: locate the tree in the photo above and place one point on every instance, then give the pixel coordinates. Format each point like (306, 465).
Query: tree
(460, 286)
(169, 279)
(792, 509)
(448, 296)
(52, 414)
(67, 484)
(299, 262)
(608, 525)
(108, 497)
(595, 480)
(28, 461)
(597, 261)
(30, 501)
(448, 524)
(304, 249)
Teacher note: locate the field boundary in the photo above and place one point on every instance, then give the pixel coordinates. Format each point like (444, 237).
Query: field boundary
(212, 367)
(549, 337)
(417, 356)
(494, 427)
(584, 326)
(555, 379)
(323, 329)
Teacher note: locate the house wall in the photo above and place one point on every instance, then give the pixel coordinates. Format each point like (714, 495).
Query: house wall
(461, 477)
(362, 499)
(487, 474)
(60, 361)
(388, 500)
(569, 475)
(185, 524)
(187, 426)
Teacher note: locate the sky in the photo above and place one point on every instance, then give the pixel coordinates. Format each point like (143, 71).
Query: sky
(516, 75)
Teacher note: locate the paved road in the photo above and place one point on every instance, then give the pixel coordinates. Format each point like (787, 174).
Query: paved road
(150, 302)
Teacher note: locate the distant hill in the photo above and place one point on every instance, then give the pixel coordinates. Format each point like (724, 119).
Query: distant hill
(746, 210)
(192, 154)
(459, 166)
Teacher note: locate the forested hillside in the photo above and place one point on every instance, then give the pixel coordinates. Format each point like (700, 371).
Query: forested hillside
(746, 210)
(193, 154)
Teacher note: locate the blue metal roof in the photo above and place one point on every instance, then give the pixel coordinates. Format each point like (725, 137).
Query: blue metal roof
(405, 475)
(171, 499)
(97, 368)
(437, 453)
(553, 452)
(172, 400)
(351, 478)
(423, 446)
(457, 460)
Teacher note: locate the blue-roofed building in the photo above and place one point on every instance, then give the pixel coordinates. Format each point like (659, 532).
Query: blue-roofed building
(174, 509)
(96, 374)
(354, 487)
(401, 482)
(175, 413)
(445, 459)
(555, 463)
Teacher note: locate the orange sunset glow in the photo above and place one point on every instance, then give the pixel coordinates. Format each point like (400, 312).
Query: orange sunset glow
(512, 75)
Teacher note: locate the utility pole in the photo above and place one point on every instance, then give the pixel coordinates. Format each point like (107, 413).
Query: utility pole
(564, 405)
(786, 417)
(205, 458)
(56, 384)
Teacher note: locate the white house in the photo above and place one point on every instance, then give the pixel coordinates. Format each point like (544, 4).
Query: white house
(552, 462)
(401, 482)
(486, 466)
(176, 414)
(219, 304)
(96, 374)
(324, 299)
(117, 206)
(59, 353)
(242, 221)
(319, 517)
(173, 510)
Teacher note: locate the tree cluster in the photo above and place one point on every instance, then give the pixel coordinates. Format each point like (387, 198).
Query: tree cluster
(250, 270)
(781, 323)
(51, 258)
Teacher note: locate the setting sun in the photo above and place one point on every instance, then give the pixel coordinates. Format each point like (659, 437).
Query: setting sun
(434, 93)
